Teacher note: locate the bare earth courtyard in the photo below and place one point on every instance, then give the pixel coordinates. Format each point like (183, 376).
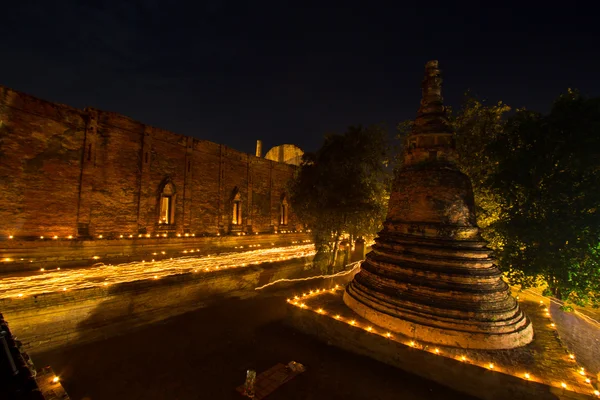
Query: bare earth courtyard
(204, 355)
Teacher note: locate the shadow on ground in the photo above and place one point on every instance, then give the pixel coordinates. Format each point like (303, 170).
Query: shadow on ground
(204, 355)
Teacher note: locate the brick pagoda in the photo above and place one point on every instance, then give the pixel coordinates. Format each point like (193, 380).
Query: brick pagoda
(430, 275)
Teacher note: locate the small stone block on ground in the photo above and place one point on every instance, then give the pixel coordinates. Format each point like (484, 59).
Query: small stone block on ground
(271, 379)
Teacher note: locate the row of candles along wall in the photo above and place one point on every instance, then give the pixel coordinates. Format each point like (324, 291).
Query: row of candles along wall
(158, 235)
(183, 251)
(491, 366)
(191, 251)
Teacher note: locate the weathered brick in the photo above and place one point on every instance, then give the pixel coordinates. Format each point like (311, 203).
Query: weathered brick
(62, 167)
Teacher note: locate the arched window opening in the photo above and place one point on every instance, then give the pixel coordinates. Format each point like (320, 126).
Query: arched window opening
(167, 200)
(237, 209)
(283, 211)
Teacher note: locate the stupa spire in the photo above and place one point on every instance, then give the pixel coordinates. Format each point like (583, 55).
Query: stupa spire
(430, 275)
(431, 138)
(431, 117)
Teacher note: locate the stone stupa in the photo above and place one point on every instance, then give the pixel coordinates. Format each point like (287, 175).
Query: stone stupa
(430, 275)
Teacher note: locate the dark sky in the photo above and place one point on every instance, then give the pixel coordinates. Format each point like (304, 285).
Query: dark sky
(288, 73)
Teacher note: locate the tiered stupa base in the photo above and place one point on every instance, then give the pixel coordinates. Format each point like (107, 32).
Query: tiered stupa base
(430, 276)
(444, 291)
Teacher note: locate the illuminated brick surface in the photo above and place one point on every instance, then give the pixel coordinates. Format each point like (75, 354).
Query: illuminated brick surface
(430, 274)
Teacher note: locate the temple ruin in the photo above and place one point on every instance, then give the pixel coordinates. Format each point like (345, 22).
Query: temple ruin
(430, 275)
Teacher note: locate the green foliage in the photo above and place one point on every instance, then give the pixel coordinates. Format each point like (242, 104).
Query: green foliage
(476, 125)
(342, 189)
(548, 177)
(566, 308)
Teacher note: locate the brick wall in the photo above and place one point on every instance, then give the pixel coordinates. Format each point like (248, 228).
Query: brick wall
(40, 157)
(62, 169)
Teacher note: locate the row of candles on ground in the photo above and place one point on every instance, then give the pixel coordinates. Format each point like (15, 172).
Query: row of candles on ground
(158, 235)
(184, 251)
(296, 300)
(571, 356)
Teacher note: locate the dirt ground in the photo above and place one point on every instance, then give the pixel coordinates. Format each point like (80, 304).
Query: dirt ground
(204, 355)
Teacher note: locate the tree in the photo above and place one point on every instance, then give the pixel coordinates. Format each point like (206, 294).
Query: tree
(341, 189)
(476, 126)
(548, 176)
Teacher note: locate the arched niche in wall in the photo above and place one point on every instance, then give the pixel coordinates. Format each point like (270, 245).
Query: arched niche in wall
(236, 207)
(283, 210)
(166, 203)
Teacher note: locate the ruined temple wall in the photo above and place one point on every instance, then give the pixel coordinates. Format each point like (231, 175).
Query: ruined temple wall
(206, 199)
(234, 172)
(167, 162)
(115, 186)
(40, 158)
(261, 194)
(279, 181)
(66, 171)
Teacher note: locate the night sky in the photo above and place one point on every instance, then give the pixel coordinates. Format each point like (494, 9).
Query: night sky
(232, 73)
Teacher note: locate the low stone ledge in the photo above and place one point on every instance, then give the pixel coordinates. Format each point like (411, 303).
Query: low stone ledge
(579, 333)
(330, 321)
(53, 320)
